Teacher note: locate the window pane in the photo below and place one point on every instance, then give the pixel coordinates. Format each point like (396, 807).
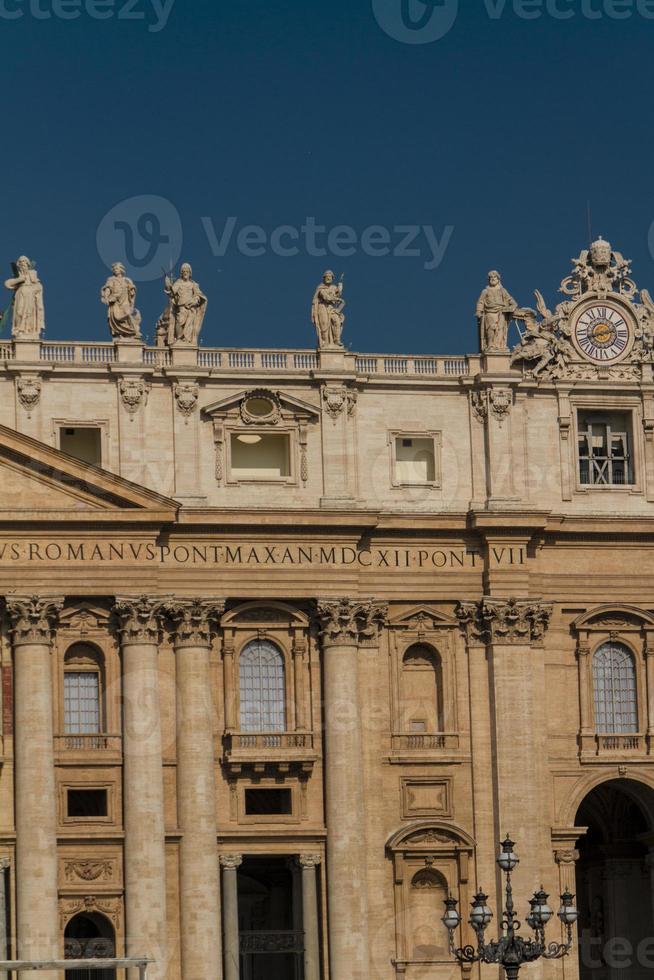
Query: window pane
(81, 703)
(614, 683)
(263, 696)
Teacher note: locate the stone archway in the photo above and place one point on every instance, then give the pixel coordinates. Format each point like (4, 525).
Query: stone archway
(614, 881)
(89, 935)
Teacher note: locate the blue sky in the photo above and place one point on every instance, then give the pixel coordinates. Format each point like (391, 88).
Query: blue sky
(140, 135)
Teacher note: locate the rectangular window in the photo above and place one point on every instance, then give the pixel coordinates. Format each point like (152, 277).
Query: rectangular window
(260, 456)
(84, 442)
(415, 460)
(605, 449)
(81, 702)
(85, 803)
(268, 802)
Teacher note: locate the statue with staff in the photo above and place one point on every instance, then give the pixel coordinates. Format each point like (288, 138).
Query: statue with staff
(327, 311)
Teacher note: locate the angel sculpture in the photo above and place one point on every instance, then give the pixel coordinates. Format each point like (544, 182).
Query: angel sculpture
(544, 341)
(645, 329)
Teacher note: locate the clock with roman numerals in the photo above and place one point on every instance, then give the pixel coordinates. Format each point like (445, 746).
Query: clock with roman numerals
(603, 331)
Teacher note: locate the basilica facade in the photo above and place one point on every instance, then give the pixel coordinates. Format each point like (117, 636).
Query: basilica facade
(292, 638)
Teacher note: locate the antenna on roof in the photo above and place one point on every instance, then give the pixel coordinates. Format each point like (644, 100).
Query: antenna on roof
(590, 222)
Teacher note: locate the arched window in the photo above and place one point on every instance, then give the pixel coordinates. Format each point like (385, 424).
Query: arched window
(83, 694)
(263, 695)
(89, 936)
(421, 690)
(614, 685)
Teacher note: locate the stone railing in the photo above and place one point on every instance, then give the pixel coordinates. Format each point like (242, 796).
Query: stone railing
(268, 740)
(87, 743)
(425, 742)
(226, 360)
(607, 744)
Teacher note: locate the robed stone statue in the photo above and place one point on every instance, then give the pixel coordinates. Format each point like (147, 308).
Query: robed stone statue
(495, 309)
(28, 317)
(119, 294)
(327, 311)
(188, 305)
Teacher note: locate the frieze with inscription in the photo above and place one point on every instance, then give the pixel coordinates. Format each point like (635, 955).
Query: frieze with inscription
(75, 552)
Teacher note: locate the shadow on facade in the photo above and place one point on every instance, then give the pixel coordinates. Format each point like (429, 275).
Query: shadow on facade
(614, 882)
(270, 920)
(89, 936)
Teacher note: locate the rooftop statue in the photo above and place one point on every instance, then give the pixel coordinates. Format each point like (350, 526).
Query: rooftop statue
(188, 306)
(495, 308)
(28, 318)
(118, 294)
(327, 311)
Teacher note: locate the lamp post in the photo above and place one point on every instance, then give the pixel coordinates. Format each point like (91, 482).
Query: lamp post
(512, 949)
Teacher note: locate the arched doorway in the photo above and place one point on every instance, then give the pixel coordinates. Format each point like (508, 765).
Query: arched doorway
(89, 936)
(615, 882)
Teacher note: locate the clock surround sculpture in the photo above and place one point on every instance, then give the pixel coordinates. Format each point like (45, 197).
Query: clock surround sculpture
(603, 329)
(511, 950)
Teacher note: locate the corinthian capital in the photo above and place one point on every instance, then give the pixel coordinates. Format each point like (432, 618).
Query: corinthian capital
(516, 620)
(139, 618)
(351, 620)
(309, 861)
(510, 621)
(33, 618)
(230, 862)
(471, 622)
(194, 621)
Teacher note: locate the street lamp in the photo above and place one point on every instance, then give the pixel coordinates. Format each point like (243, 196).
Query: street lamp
(511, 950)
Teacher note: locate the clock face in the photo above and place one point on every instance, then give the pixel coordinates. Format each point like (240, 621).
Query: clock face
(603, 332)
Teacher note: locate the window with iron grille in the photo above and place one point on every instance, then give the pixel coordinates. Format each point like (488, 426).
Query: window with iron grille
(605, 455)
(614, 685)
(81, 702)
(263, 695)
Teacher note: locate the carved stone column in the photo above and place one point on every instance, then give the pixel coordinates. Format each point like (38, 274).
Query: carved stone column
(143, 799)
(230, 864)
(196, 789)
(486, 829)
(344, 625)
(585, 677)
(309, 863)
(33, 620)
(515, 630)
(649, 679)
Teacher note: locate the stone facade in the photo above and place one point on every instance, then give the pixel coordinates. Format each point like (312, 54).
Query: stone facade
(411, 554)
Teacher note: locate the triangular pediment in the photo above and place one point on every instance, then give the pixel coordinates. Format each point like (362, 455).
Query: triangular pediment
(286, 404)
(36, 479)
(423, 617)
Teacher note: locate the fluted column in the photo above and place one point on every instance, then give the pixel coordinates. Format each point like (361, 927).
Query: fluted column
(230, 864)
(196, 789)
(33, 620)
(344, 625)
(143, 798)
(309, 863)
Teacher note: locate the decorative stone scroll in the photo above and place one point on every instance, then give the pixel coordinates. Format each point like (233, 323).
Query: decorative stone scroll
(140, 618)
(110, 907)
(194, 621)
(33, 619)
(351, 621)
(511, 621)
(89, 870)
